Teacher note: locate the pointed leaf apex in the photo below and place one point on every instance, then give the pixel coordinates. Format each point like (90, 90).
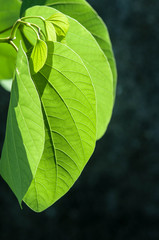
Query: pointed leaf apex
(38, 56)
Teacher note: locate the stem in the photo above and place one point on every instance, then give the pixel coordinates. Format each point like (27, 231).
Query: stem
(5, 40)
(15, 47)
(37, 34)
(34, 25)
(8, 40)
(38, 17)
(30, 25)
(40, 31)
(43, 19)
(14, 29)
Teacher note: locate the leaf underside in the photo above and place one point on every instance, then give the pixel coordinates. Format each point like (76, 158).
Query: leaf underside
(69, 108)
(50, 31)
(84, 44)
(61, 105)
(24, 140)
(87, 16)
(38, 56)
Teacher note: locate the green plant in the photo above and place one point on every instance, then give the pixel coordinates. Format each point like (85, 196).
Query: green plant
(60, 58)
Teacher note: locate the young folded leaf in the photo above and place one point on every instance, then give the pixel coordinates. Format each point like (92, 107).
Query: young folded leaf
(38, 56)
(50, 31)
(60, 23)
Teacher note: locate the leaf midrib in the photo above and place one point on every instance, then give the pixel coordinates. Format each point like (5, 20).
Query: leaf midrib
(67, 108)
(76, 87)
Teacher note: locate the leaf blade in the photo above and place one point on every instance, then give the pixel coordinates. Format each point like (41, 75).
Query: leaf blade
(9, 8)
(24, 141)
(50, 31)
(66, 105)
(84, 44)
(9, 13)
(8, 56)
(38, 56)
(60, 23)
(88, 17)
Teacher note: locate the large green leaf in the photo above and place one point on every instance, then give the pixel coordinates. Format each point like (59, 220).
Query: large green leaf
(83, 43)
(85, 14)
(24, 140)
(68, 100)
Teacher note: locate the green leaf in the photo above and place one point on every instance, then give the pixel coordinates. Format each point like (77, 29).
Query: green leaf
(6, 84)
(7, 61)
(38, 55)
(87, 16)
(68, 100)
(84, 44)
(50, 31)
(9, 13)
(8, 56)
(24, 140)
(60, 23)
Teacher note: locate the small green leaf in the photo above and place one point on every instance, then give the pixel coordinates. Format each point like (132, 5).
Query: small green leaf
(25, 135)
(50, 31)
(60, 22)
(38, 56)
(9, 13)
(68, 99)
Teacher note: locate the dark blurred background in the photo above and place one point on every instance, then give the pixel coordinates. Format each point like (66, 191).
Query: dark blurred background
(117, 195)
